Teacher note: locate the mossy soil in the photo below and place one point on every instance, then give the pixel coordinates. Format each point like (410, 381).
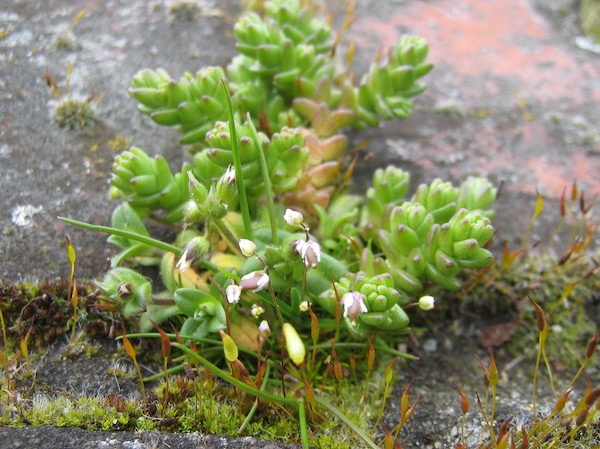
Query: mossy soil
(88, 382)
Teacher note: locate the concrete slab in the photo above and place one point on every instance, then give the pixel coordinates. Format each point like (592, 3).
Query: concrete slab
(512, 97)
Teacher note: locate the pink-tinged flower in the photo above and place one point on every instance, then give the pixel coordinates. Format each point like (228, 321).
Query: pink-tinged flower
(247, 247)
(255, 281)
(293, 217)
(309, 251)
(354, 305)
(229, 176)
(263, 329)
(233, 293)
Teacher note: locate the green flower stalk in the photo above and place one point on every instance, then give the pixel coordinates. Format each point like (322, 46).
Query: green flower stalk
(285, 154)
(371, 304)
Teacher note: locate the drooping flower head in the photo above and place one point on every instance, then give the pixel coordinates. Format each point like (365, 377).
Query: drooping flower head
(195, 249)
(293, 217)
(310, 251)
(264, 329)
(255, 281)
(354, 305)
(247, 247)
(233, 293)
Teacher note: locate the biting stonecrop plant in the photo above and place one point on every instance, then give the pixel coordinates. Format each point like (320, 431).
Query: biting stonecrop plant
(269, 240)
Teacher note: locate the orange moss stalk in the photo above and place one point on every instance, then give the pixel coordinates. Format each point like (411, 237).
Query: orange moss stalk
(132, 353)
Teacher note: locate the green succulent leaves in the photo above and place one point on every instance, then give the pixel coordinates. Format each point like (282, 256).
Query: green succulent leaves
(148, 184)
(190, 105)
(417, 248)
(385, 91)
(205, 312)
(267, 129)
(284, 55)
(371, 304)
(432, 236)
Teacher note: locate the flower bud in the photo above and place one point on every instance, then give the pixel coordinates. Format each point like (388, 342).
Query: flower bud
(256, 310)
(197, 190)
(255, 281)
(229, 347)
(192, 213)
(233, 293)
(195, 249)
(247, 247)
(226, 188)
(294, 345)
(426, 302)
(303, 306)
(264, 329)
(292, 217)
(309, 251)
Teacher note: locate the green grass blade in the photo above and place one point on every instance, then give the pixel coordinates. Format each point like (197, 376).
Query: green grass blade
(237, 165)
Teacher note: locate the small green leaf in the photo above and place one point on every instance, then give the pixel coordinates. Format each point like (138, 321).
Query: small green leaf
(189, 300)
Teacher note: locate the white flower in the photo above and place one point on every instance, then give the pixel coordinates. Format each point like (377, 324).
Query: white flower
(195, 249)
(257, 310)
(233, 293)
(184, 262)
(354, 305)
(303, 306)
(309, 251)
(247, 247)
(229, 176)
(263, 329)
(426, 302)
(255, 281)
(293, 217)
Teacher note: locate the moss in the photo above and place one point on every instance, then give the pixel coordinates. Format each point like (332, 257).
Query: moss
(590, 18)
(73, 113)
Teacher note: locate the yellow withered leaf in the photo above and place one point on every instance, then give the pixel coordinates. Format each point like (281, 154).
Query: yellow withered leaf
(226, 261)
(229, 347)
(129, 347)
(244, 331)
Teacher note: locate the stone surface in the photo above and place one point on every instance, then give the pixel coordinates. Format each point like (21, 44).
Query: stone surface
(512, 97)
(44, 437)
